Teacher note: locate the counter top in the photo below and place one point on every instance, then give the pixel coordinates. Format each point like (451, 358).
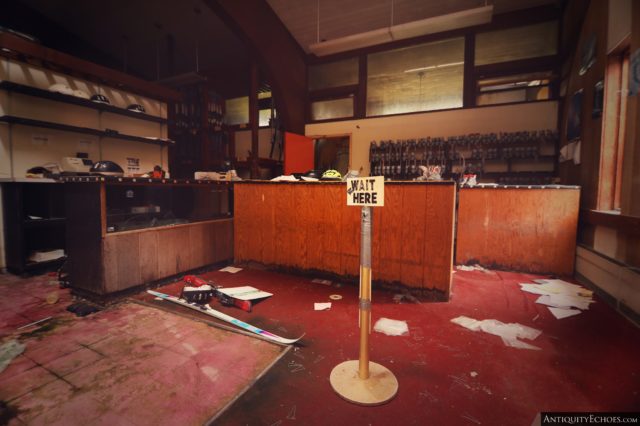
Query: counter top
(139, 180)
(328, 182)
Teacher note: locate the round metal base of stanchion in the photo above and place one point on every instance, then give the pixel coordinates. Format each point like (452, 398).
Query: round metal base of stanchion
(380, 387)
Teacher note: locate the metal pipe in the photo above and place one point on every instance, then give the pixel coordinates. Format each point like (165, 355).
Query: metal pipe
(365, 291)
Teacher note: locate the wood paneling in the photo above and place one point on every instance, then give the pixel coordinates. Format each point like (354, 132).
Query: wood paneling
(315, 230)
(530, 230)
(134, 258)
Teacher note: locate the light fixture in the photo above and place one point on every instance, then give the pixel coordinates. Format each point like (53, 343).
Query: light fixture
(436, 24)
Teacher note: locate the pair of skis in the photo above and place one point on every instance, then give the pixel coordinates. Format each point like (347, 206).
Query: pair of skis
(227, 318)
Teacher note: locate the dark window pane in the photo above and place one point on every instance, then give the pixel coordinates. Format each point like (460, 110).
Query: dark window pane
(334, 74)
(531, 41)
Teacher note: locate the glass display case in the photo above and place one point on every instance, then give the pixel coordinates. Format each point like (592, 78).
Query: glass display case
(138, 206)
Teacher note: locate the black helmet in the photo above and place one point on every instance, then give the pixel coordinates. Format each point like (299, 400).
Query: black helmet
(101, 99)
(317, 174)
(136, 108)
(107, 168)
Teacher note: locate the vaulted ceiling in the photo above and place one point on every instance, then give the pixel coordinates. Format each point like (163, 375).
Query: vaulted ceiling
(136, 33)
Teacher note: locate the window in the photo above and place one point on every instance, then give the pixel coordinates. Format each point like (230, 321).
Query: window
(334, 108)
(333, 74)
(514, 88)
(237, 111)
(513, 44)
(418, 78)
(613, 131)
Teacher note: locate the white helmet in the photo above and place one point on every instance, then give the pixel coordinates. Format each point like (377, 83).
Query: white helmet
(61, 88)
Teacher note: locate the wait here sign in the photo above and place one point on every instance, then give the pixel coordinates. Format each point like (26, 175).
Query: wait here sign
(366, 191)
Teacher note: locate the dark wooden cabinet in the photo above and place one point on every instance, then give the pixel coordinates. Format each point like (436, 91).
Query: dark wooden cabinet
(34, 220)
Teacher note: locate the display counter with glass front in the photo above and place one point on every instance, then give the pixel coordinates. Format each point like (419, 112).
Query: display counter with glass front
(126, 232)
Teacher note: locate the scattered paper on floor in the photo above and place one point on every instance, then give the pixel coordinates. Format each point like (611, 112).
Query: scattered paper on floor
(510, 333)
(560, 296)
(231, 269)
(391, 327)
(322, 306)
(321, 281)
(8, 351)
(471, 268)
(244, 293)
(563, 313)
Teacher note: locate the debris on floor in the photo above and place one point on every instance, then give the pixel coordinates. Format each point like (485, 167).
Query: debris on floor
(335, 297)
(472, 268)
(231, 269)
(560, 296)
(321, 306)
(405, 296)
(244, 293)
(391, 327)
(31, 324)
(82, 309)
(510, 333)
(8, 351)
(321, 281)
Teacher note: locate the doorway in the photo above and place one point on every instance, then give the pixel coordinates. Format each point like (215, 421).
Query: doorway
(332, 152)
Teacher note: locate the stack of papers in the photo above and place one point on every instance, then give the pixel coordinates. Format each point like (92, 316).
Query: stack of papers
(244, 293)
(560, 296)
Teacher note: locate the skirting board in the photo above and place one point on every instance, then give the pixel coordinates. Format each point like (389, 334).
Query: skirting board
(614, 282)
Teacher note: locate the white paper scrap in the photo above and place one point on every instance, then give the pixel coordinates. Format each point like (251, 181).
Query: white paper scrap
(244, 293)
(309, 179)
(510, 333)
(321, 281)
(231, 269)
(322, 306)
(285, 178)
(564, 313)
(391, 327)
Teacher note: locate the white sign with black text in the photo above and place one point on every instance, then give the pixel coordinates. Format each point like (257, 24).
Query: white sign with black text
(366, 191)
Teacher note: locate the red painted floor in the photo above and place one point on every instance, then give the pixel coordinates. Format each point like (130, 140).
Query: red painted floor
(587, 362)
(447, 375)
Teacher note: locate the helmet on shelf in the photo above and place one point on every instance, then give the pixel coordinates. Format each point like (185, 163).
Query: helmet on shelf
(331, 175)
(80, 94)
(136, 108)
(106, 168)
(101, 99)
(61, 88)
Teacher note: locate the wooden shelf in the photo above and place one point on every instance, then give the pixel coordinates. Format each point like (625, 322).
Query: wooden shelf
(84, 130)
(59, 97)
(35, 223)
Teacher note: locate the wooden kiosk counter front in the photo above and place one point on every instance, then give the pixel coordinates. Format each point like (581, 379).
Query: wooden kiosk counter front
(307, 226)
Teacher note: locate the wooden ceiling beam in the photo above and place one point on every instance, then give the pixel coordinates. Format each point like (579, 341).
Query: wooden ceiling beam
(276, 51)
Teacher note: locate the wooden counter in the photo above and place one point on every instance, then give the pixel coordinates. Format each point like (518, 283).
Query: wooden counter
(103, 263)
(308, 226)
(522, 229)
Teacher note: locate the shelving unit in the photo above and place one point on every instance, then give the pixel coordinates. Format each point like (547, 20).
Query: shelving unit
(509, 158)
(74, 100)
(196, 124)
(10, 119)
(21, 200)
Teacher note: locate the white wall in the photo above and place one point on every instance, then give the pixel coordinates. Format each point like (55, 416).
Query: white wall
(505, 118)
